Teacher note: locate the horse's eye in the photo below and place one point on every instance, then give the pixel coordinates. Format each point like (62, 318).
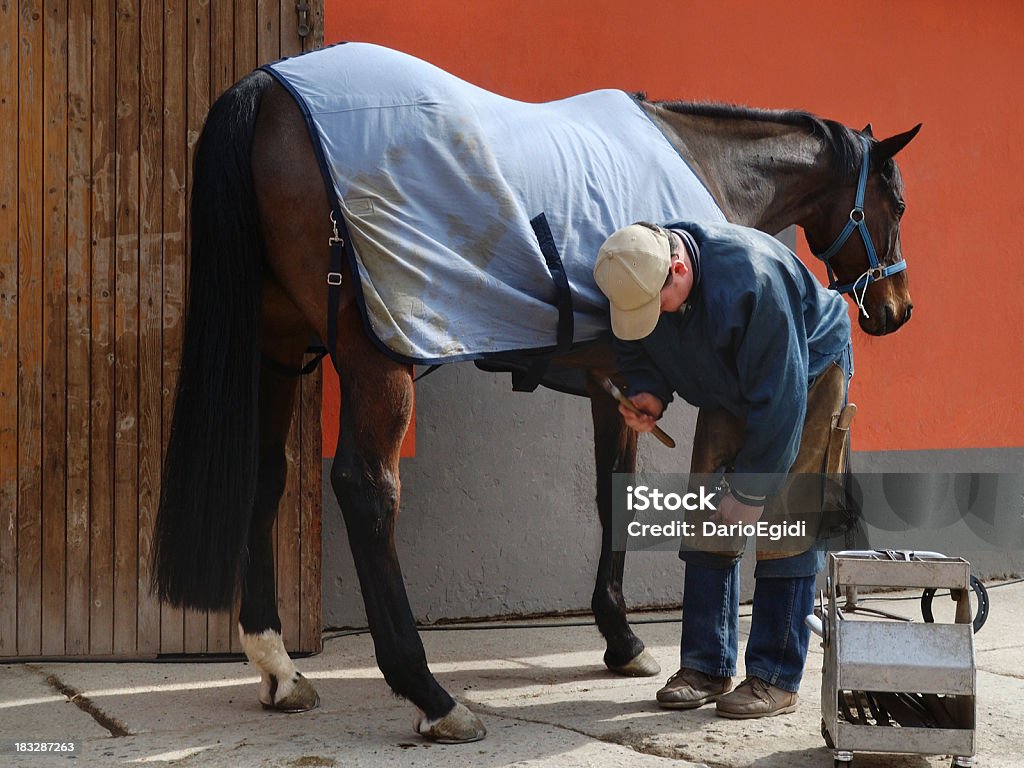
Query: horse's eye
(900, 208)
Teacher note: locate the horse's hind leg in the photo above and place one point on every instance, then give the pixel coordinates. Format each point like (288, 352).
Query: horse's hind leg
(282, 687)
(615, 447)
(376, 396)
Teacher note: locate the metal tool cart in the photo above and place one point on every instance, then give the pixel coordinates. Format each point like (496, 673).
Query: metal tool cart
(890, 684)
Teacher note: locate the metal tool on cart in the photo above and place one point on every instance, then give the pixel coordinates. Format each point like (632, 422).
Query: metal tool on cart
(896, 685)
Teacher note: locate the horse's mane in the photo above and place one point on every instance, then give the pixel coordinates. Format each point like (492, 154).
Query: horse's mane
(844, 146)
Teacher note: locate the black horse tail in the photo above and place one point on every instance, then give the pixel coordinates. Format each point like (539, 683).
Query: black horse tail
(209, 476)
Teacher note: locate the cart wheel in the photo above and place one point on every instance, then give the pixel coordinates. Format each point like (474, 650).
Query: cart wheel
(825, 735)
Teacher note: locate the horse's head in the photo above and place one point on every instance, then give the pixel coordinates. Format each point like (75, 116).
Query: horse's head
(857, 235)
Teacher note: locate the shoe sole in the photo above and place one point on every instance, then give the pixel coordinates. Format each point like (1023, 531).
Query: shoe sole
(753, 715)
(696, 704)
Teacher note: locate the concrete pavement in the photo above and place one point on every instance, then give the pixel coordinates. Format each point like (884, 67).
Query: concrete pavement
(543, 693)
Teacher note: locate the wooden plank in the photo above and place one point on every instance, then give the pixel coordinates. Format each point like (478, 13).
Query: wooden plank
(222, 45)
(9, 330)
(268, 38)
(101, 621)
(175, 152)
(126, 331)
(55, 325)
(291, 43)
(310, 606)
(30, 343)
(245, 38)
(150, 315)
(316, 19)
(101, 427)
(78, 410)
(197, 104)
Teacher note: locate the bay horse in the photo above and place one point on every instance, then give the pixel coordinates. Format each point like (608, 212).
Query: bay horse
(260, 224)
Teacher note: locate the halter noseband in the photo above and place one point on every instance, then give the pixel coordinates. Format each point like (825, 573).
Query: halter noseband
(875, 271)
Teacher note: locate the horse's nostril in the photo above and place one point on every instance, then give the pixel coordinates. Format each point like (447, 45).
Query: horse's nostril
(908, 313)
(890, 317)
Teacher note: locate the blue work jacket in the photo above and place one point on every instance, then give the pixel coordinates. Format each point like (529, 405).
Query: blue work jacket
(756, 329)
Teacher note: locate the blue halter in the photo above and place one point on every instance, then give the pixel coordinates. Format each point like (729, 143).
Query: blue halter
(875, 271)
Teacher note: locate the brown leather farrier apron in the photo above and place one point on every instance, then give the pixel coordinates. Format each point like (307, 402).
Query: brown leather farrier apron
(810, 494)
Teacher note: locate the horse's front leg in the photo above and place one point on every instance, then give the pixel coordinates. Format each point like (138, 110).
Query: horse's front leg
(615, 447)
(282, 687)
(376, 408)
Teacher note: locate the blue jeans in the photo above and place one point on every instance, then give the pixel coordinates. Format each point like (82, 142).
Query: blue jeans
(783, 596)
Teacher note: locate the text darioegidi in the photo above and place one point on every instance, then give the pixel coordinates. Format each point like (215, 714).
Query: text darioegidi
(679, 529)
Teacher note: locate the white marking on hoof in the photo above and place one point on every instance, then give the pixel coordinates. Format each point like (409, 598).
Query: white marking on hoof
(282, 687)
(459, 726)
(641, 665)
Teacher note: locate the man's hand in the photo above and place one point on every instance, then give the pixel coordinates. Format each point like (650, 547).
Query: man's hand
(731, 510)
(650, 407)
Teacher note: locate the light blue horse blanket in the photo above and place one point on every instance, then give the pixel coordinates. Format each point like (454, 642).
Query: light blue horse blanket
(438, 181)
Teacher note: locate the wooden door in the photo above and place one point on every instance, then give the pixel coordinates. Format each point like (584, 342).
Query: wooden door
(101, 104)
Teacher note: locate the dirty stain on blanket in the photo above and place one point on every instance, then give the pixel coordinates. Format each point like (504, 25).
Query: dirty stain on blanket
(437, 181)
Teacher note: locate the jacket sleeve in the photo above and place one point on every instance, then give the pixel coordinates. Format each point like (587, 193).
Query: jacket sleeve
(642, 375)
(771, 361)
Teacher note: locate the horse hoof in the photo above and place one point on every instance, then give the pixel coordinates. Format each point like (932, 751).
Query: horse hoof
(459, 726)
(641, 665)
(301, 698)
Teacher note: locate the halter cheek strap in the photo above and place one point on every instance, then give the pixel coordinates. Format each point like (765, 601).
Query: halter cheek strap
(875, 270)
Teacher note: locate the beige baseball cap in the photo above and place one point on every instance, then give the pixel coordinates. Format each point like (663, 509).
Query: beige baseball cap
(630, 270)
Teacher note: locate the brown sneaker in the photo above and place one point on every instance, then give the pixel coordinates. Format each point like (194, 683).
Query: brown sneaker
(689, 689)
(755, 698)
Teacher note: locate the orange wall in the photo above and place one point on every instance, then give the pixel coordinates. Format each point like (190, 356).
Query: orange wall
(949, 379)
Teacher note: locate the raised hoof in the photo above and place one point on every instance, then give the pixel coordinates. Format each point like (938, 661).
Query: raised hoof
(641, 665)
(302, 698)
(459, 726)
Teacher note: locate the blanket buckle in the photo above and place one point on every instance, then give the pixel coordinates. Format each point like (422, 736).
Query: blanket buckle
(335, 239)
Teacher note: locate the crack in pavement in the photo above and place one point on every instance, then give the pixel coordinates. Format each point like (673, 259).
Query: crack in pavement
(84, 703)
(638, 742)
(1011, 675)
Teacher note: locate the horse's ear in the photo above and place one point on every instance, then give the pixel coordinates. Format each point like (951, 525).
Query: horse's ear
(867, 131)
(886, 148)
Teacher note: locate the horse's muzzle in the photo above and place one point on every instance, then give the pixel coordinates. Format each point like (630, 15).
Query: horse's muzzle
(886, 319)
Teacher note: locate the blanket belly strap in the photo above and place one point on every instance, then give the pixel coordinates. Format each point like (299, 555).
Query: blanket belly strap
(563, 296)
(530, 379)
(338, 244)
(286, 370)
